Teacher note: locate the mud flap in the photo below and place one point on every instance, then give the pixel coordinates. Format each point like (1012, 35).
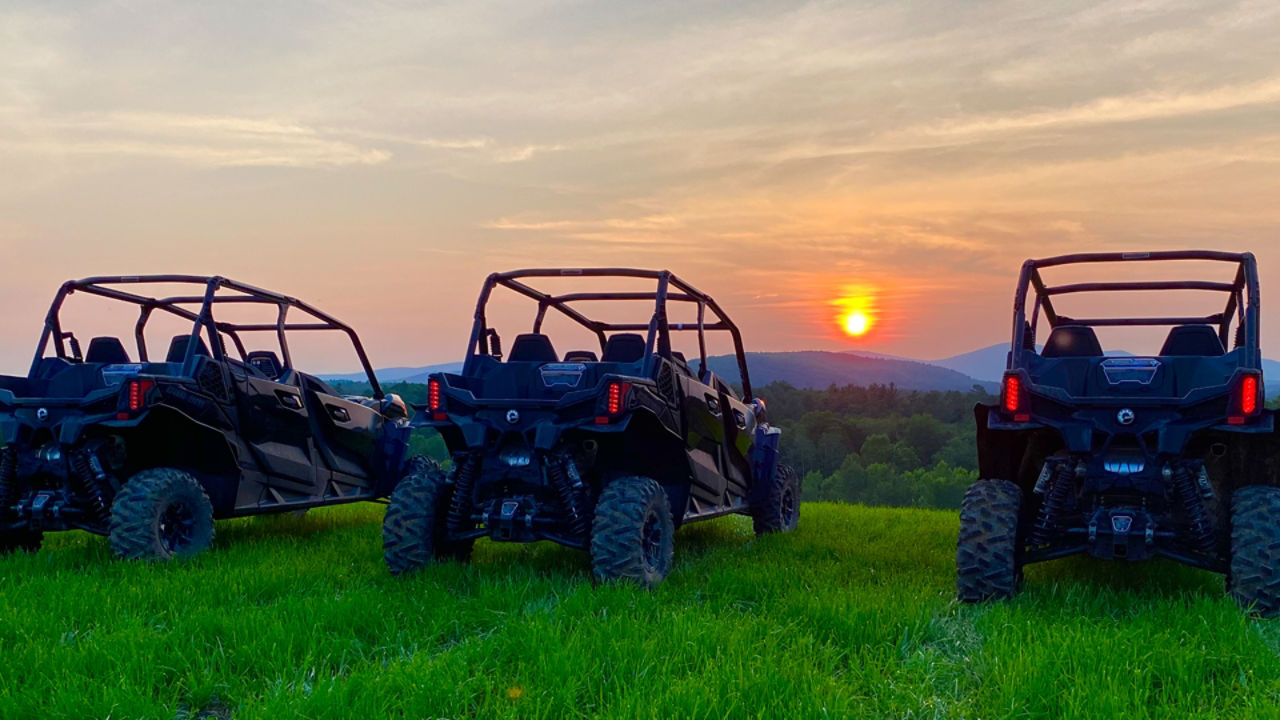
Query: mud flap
(764, 458)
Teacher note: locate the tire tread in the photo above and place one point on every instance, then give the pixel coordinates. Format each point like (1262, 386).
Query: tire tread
(1254, 579)
(987, 566)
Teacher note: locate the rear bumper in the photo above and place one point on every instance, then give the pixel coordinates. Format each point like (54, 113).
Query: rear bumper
(1124, 509)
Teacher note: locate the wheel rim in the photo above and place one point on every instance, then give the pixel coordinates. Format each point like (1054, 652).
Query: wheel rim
(177, 527)
(789, 506)
(651, 542)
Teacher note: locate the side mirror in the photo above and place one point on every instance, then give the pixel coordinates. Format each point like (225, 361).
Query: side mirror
(393, 407)
(760, 410)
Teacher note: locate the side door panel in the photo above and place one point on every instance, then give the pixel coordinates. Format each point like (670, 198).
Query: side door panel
(350, 433)
(704, 437)
(739, 433)
(277, 426)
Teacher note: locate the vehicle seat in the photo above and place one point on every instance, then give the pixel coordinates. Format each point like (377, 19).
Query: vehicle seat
(1193, 341)
(624, 348)
(178, 348)
(265, 362)
(681, 362)
(532, 347)
(1072, 341)
(580, 356)
(106, 350)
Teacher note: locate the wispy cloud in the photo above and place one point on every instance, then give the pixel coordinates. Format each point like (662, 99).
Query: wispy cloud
(482, 147)
(646, 222)
(1119, 109)
(197, 139)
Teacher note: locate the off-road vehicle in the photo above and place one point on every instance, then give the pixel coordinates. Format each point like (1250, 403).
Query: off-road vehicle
(1129, 457)
(608, 449)
(149, 450)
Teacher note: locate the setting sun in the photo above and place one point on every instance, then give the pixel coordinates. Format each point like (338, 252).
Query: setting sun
(856, 323)
(856, 311)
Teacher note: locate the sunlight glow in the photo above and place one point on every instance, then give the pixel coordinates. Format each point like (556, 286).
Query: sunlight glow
(856, 311)
(856, 323)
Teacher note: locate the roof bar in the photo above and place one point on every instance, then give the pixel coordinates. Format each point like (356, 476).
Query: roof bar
(1151, 285)
(1139, 322)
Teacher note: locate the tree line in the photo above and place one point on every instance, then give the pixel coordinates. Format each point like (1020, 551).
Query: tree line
(879, 445)
(875, 445)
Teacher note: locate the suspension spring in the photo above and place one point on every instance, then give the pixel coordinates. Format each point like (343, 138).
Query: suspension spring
(459, 518)
(566, 484)
(1056, 499)
(91, 478)
(1187, 492)
(8, 478)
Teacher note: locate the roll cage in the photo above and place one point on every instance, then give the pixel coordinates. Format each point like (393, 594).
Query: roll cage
(1242, 302)
(658, 339)
(199, 309)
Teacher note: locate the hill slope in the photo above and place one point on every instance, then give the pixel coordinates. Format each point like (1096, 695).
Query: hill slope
(819, 370)
(985, 364)
(804, 369)
(851, 616)
(398, 374)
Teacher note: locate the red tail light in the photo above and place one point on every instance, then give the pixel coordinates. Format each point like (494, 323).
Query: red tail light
(138, 390)
(1012, 393)
(1249, 395)
(614, 402)
(1014, 398)
(615, 398)
(434, 403)
(1247, 402)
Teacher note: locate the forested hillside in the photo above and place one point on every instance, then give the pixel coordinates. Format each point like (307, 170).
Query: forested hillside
(875, 445)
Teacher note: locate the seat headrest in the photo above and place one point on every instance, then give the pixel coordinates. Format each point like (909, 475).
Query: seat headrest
(624, 348)
(532, 347)
(1068, 341)
(580, 356)
(178, 348)
(265, 362)
(1028, 337)
(1193, 341)
(107, 350)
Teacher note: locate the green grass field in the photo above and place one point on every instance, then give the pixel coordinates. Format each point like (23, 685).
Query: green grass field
(851, 616)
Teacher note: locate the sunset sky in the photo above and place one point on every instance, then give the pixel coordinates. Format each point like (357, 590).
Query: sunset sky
(379, 159)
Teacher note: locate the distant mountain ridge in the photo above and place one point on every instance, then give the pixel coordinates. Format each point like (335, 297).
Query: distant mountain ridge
(809, 369)
(819, 369)
(398, 374)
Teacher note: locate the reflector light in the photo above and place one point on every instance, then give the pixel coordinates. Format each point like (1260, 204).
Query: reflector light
(138, 393)
(1012, 393)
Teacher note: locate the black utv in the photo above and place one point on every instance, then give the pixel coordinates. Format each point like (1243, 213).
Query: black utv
(149, 450)
(1129, 457)
(607, 449)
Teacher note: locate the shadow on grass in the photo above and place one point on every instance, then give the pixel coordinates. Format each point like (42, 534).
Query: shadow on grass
(542, 557)
(316, 522)
(249, 540)
(1156, 580)
(81, 550)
